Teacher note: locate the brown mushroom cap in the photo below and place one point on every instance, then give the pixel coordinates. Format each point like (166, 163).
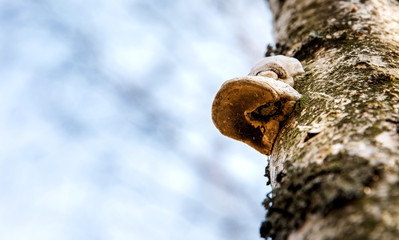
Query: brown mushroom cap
(249, 109)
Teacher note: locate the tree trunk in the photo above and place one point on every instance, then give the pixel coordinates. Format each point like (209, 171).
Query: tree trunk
(334, 165)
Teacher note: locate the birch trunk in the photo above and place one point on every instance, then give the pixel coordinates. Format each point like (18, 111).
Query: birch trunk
(334, 166)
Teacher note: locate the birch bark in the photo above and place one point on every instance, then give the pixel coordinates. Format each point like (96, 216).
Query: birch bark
(334, 167)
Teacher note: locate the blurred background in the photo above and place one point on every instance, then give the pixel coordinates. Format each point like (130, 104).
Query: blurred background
(105, 119)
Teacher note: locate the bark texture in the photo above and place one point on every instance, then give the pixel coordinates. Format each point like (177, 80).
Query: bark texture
(334, 167)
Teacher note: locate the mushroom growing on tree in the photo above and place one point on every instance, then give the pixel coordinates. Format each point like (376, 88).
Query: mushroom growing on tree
(250, 109)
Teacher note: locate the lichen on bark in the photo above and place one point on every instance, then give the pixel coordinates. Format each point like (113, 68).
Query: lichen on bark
(349, 110)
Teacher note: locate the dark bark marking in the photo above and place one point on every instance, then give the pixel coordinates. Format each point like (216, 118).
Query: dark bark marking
(316, 189)
(310, 135)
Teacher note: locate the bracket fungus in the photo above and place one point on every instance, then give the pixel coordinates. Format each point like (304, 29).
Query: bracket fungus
(250, 109)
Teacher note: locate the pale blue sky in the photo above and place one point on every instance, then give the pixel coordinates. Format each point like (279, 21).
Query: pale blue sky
(105, 120)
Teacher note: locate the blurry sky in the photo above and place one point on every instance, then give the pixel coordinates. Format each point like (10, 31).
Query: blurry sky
(105, 122)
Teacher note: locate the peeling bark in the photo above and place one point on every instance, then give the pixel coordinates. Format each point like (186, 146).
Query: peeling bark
(334, 165)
